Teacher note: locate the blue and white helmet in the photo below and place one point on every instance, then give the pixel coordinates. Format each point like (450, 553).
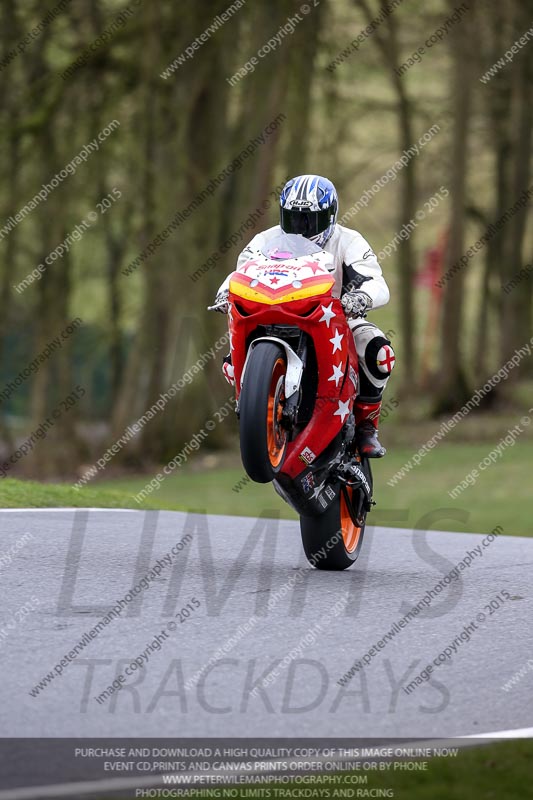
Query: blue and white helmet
(309, 206)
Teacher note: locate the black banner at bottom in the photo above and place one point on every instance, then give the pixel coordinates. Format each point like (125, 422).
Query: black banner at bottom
(217, 768)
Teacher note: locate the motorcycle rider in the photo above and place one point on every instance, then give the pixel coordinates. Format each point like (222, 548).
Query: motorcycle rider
(309, 207)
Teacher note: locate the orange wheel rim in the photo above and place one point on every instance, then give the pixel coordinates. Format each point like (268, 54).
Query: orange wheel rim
(276, 435)
(351, 532)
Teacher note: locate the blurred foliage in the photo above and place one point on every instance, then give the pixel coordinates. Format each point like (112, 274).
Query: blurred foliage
(351, 122)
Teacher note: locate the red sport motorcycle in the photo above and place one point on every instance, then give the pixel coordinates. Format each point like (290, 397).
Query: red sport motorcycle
(296, 378)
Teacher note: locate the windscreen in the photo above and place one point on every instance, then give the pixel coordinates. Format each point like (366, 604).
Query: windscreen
(289, 245)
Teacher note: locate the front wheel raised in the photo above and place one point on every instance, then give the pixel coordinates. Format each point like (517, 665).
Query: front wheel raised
(263, 438)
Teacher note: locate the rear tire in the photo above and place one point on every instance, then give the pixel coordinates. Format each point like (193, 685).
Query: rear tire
(263, 439)
(336, 531)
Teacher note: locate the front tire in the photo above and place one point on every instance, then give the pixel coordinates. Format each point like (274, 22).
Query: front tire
(333, 540)
(263, 438)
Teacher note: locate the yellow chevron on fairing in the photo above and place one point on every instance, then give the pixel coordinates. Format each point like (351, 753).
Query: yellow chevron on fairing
(259, 296)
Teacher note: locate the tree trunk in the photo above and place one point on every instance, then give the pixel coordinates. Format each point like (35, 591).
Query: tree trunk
(388, 46)
(452, 388)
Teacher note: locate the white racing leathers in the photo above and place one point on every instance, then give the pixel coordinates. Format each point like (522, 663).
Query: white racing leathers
(356, 268)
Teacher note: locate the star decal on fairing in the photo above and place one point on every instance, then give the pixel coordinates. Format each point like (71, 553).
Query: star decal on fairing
(328, 314)
(336, 341)
(343, 410)
(248, 264)
(338, 373)
(274, 280)
(315, 266)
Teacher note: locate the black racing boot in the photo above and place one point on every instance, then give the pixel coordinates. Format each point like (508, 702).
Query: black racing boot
(366, 428)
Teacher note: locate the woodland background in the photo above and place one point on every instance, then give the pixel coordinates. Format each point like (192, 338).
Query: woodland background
(142, 331)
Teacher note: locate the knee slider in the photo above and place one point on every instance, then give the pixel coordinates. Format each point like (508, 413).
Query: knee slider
(379, 357)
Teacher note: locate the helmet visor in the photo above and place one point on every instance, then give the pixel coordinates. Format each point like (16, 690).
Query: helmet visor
(306, 223)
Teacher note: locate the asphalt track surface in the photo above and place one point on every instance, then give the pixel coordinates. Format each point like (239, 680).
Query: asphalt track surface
(253, 598)
(77, 564)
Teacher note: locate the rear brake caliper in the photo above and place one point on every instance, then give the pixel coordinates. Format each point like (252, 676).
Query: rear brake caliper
(348, 473)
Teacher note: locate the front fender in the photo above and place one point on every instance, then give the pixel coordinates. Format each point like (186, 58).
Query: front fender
(295, 367)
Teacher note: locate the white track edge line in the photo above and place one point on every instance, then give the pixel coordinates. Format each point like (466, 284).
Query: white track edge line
(73, 508)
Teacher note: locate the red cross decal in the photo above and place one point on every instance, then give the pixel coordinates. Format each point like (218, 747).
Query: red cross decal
(389, 359)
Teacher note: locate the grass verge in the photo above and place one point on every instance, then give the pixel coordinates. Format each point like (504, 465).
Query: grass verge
(30, 494)
(218, 485)
(496, 772)
(501, 496)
